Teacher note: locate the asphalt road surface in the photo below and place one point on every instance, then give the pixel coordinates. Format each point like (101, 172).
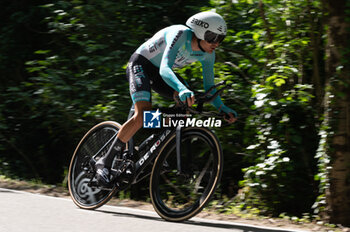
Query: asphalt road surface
(27, 212)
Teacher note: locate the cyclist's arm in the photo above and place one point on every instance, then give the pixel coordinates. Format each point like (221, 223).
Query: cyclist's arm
(174, 41)
(208, 81)
(208, 78)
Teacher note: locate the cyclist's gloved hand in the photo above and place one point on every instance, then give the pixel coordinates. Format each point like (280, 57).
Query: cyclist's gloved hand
(228, 110)
(184, 94)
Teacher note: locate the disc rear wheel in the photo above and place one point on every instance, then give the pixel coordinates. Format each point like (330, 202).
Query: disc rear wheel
(81, 173)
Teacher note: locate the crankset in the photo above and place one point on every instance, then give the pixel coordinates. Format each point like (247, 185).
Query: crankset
(124, 175)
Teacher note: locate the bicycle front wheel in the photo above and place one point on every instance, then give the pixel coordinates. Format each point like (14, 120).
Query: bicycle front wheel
(96, 141)
(177, 193)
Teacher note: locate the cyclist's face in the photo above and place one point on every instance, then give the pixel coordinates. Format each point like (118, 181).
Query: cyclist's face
(209, 47)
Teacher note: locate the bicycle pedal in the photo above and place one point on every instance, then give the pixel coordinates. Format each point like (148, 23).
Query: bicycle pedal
(126, 154)
(96, 185)
(92, 163)
(93, 184)
(108, 188)
(115, 172)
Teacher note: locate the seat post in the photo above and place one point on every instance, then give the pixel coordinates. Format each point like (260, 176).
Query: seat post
(131, 141)
(178, 149)
(131, 111)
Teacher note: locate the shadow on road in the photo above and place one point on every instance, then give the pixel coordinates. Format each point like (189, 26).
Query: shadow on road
(229, 226)
(7, 191)
(246, 228)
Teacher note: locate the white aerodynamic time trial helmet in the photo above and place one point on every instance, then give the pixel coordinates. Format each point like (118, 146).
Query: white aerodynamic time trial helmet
(208, 26)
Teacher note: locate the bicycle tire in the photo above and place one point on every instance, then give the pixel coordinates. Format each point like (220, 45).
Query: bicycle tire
(82, 195)
(168, 194)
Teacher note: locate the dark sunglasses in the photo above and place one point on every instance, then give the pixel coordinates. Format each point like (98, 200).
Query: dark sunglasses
(213, 38)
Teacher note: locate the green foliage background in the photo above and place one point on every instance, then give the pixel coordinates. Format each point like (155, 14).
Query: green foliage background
(62, 68)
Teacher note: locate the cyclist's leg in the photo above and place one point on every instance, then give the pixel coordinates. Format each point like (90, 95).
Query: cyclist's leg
(129, 128)
(159, 85)
(138, 73)
(140, 91)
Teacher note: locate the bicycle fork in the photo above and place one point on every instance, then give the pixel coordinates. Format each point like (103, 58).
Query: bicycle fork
(178, 149)
(182, 147)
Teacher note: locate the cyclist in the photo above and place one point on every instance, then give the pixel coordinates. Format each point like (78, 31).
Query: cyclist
(151, 67)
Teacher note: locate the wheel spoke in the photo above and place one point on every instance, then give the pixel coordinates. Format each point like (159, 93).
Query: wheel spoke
(200, 177)
(176, 188)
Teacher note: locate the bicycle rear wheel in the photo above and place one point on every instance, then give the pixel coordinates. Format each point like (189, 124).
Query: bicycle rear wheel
(96, 141)
(178, 196)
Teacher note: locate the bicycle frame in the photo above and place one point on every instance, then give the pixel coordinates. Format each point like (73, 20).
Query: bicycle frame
(152, 153)
(163, 136)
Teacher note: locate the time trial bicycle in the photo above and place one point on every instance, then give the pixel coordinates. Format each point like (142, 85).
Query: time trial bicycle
(187, 163)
